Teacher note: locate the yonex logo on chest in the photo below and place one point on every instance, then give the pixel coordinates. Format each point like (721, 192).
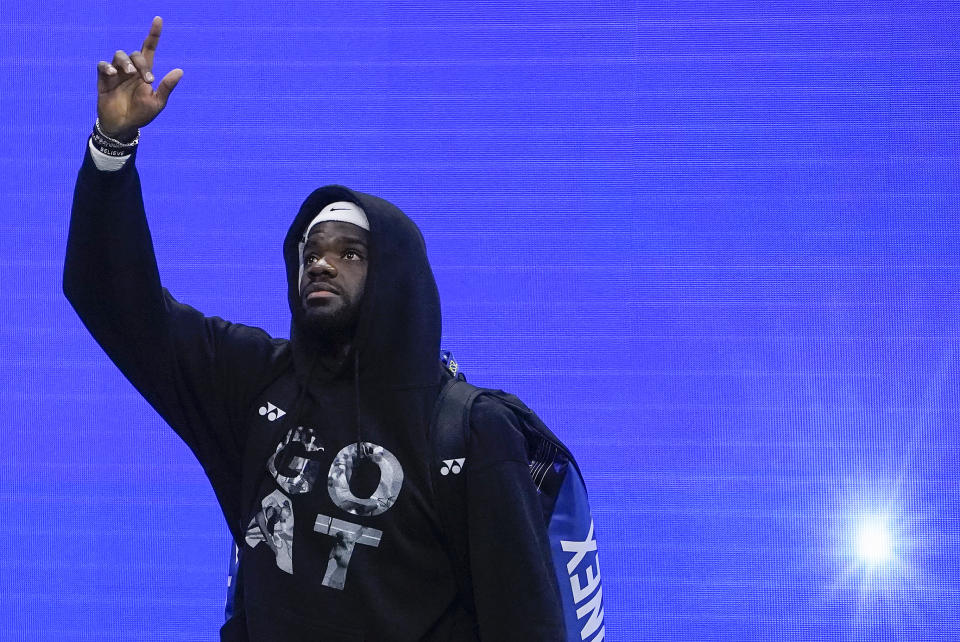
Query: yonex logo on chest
(452, 466)
(272, 412)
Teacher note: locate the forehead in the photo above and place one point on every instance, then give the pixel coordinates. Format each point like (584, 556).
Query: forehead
(336, 231)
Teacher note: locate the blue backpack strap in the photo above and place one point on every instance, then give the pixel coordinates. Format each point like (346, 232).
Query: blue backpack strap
(233, 572)
(573, 546)
(449, 435)
(234, 628)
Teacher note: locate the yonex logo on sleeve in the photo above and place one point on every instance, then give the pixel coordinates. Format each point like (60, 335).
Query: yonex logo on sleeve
(272, 412)
(452, 465)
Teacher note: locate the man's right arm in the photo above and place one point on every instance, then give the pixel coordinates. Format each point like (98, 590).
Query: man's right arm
(192, 369)
(110, 272)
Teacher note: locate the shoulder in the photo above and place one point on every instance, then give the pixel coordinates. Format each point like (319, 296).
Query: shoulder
(241, 351)
(495, 433)
(250, 335)
(251, 346)
(220, 330)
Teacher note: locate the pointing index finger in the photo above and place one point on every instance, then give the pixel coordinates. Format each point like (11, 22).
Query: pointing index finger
(150, 43)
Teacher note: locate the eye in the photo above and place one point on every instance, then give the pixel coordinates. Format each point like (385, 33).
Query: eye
(352, 255)
(310, 259)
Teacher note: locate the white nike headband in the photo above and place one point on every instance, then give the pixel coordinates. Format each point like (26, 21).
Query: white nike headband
(342, 211)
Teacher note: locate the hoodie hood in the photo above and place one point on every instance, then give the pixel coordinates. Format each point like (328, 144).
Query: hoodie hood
(397, 338)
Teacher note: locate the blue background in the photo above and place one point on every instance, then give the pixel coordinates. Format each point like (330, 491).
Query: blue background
(713, 244)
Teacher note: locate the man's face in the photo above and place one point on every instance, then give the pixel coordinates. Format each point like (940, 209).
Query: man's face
(334, 275)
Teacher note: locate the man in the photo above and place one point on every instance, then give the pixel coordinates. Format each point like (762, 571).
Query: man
(316, 447)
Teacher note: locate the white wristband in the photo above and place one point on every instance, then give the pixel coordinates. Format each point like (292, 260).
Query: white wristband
(104, 162)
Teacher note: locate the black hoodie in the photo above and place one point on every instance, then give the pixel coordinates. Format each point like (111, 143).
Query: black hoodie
(321, 472)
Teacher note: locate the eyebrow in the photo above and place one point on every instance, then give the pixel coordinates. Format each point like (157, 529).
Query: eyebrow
(349, 240)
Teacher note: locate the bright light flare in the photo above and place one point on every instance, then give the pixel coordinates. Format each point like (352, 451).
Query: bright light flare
(874, 543)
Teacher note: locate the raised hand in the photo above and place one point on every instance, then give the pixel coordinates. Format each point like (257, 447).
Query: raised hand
(126, 100)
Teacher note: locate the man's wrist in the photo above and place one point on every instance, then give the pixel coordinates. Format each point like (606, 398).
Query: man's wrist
(111, 146)
(121, 138)
(109, 155)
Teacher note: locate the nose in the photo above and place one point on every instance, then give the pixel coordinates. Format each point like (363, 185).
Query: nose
(321, 266)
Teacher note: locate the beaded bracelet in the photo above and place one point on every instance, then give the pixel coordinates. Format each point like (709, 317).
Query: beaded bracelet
(112, 146)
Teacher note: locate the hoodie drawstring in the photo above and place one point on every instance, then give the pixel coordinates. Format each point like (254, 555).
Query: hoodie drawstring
(356, 392)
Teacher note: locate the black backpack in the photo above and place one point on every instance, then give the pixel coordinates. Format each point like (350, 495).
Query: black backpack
(559, 483)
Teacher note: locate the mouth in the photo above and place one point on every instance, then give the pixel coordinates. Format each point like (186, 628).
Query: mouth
(319, 292)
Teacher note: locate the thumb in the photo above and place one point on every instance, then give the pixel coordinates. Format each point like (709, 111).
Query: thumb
(167, 84)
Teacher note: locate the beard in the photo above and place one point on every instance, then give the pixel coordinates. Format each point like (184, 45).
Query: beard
(331, 322)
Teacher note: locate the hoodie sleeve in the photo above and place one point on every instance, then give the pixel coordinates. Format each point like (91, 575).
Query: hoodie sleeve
(188, 367)
(515, 588)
